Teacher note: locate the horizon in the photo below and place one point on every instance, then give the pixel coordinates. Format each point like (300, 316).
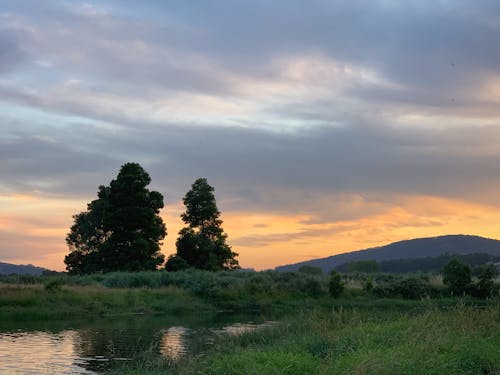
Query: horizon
(324, 128)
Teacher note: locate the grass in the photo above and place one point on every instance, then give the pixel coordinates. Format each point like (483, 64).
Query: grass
(457, 340)
(36, 302)
(356, 334)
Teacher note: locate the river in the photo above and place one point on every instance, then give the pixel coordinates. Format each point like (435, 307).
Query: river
(93, 346)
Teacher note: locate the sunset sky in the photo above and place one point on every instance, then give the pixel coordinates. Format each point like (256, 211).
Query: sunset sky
(324, 126)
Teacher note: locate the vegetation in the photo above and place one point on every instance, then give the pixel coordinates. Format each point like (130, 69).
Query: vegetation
(202, 244)
(356, 332)
(57, 300)
(485, 287)
(426, 264)
(336, 285)
(366, 266)
(121, 230)
(460, 340)
(310, 270)
(457, 276)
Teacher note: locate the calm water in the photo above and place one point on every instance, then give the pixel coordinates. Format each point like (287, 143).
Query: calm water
(89, 347)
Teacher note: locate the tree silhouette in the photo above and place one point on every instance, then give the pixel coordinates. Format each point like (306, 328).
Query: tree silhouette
(121, 230)
(202, 244)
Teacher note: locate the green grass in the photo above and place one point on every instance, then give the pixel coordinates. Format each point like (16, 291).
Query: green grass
(356, 334)
(458, 340)
(35, 302)
(426, 339)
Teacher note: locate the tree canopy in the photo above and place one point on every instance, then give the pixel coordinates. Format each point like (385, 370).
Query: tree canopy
(121, 230)
(202, 243)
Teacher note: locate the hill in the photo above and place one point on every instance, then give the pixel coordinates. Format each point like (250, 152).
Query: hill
(8, 269)
(409, 249)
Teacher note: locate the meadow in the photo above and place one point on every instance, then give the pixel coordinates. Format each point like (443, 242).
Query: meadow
(400, 325)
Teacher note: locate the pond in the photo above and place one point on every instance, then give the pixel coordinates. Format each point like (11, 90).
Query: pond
(93, 346)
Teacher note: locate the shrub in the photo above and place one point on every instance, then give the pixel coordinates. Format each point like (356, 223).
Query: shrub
(457, 276)
(409, 288)
(310, 270)
(485, 287)
(336, 285)
(53, 285)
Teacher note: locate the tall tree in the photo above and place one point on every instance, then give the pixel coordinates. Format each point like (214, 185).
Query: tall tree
(121, 230)
(202, 244)
(87, 235)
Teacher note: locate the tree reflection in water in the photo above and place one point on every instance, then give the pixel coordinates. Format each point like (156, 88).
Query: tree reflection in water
(83, 347)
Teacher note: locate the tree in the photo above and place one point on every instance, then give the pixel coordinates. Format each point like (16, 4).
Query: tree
(365, 266)
(457, 276)
(121, 230)
(336, 285)
(310, 270)
(485, 287)
(87, 235)
(176, 263)
(202, 244)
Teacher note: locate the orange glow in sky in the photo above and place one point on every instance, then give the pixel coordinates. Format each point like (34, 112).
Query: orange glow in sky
(263, 240)
(316, 142)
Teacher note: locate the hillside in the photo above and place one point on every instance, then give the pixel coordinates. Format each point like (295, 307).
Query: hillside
(8, 269)
(416, 248)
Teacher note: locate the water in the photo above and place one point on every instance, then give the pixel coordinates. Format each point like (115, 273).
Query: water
(93, 346)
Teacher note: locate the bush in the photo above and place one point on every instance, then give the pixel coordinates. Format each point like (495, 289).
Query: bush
(485, 287)
(53, 285)
(312, 287)
(310, 270)
(409, 288)
(457, 276)
(336, 285)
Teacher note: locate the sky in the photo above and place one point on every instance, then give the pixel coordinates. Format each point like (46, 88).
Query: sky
(324, 126)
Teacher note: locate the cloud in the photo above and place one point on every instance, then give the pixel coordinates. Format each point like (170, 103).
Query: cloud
(330, 112)
(12, 54)
(430, 53)
(257, 167)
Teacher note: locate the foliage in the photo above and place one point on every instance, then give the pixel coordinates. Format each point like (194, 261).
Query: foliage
(407, 288)
(121, 229)
(485, 286)
(365, 266)
(435, 264)
(336, 285)
(202, 244)
(457, 276)
(176, 263)
(53, 284)
(347, 339)
(53, 302)
(368, 285)
(310, 270)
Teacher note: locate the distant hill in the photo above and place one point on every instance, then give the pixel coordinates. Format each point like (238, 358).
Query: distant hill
(8, 269)
(409, 249)
(427, 264)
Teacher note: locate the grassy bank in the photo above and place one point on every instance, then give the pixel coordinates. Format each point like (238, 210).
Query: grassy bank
(36, 302)
(426, 340)
(55, 297)
(358, 333)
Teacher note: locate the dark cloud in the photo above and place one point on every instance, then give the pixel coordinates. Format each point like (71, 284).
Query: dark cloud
(11, 53)
(432, 55)
(256, 168)
(433, 52)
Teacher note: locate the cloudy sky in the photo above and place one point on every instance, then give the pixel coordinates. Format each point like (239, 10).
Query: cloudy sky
(324, 126)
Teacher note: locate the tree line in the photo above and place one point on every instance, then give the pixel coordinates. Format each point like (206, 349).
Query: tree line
(122, 230)
(426, 264)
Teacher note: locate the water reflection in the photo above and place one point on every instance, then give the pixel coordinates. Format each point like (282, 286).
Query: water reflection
(94, 346)
(40, 352)
(174, 343)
